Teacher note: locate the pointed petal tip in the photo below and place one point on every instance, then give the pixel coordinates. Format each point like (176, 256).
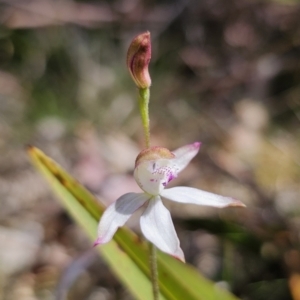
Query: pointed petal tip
(197, 144)
(180, 258)
(97, 242)
(236, 203)
(179, 255)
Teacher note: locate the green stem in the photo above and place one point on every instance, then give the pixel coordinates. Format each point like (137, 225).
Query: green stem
(144, 96)
(154, 273)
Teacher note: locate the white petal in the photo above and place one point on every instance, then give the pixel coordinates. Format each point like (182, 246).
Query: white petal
(185, 154)
(117, 214)
(184, 194)
(158, 228)
(152, 176)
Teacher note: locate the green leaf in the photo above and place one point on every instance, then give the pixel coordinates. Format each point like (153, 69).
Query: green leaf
(127, 255)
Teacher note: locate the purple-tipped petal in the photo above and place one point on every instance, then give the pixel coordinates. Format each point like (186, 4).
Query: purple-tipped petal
(185, 154)
(117, 214)
(184, 194)
(158, 228)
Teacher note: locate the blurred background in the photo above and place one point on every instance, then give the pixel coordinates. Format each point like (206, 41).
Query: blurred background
(226, 73)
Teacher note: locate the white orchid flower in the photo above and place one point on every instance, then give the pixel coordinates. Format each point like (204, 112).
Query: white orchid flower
(155, 167)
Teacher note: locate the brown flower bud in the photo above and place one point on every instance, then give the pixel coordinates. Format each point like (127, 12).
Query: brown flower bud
(138, 58)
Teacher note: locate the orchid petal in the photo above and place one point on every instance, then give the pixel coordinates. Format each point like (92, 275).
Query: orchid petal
(185, 154)
(152, 176)
(184, 194)
(117, 214)
(158, 228)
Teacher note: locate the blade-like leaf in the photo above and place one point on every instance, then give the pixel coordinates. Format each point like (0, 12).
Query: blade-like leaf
(85, 210)
(126, 254)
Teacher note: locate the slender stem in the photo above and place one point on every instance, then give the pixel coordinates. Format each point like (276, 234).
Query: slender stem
(144, 96)
(154, 272)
